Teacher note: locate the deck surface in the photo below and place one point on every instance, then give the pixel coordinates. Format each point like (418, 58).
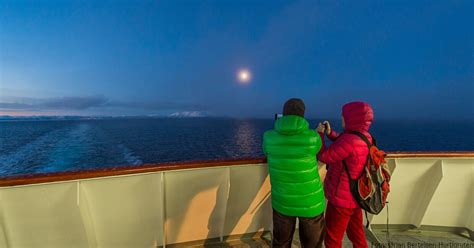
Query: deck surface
(398, 239)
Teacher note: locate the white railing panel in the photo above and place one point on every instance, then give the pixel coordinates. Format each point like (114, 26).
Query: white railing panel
(42, 216)
(3, 234)
(195, 203)
(413, 184)
(452, 203)
(249, 205)
(125, 210)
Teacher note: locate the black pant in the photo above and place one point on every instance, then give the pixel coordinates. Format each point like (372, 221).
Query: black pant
(311, 230)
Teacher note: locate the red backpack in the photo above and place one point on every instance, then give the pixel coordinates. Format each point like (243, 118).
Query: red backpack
(372, 187)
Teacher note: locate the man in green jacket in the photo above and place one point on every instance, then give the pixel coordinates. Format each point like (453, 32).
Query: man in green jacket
(297, 191)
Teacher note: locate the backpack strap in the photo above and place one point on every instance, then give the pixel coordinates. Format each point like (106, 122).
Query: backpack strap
(367, 218)
(362, 137)
(368, 145)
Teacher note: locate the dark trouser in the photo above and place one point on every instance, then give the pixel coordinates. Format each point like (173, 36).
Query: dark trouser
(311, 230)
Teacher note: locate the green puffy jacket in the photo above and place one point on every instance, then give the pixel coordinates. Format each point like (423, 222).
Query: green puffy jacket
(291, 150)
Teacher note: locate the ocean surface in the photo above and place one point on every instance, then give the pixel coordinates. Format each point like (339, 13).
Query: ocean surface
(28, 147)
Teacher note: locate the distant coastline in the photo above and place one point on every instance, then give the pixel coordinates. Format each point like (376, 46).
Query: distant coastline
(184, 114)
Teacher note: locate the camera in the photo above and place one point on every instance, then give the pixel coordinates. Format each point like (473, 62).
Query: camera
(326, 125)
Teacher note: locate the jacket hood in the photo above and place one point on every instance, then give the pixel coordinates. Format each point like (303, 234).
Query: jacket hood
(358, 116)
(291, 124)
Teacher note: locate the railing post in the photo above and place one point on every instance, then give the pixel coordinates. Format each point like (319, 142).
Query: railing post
(163, 209)
(4, 240)
(82, 204)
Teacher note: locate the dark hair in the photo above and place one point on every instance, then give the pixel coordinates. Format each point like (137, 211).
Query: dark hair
(294, 106)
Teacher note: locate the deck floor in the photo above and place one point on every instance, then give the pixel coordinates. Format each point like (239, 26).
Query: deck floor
(398, 239)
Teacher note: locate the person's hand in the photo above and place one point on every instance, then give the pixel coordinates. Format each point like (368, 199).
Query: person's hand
(321, 128)
(327, 126)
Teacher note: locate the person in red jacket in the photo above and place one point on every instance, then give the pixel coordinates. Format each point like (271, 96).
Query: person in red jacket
(343, 212)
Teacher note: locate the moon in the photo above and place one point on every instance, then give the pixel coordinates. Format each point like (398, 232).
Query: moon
(244, 76)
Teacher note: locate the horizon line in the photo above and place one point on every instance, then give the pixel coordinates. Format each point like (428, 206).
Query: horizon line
(58, 117)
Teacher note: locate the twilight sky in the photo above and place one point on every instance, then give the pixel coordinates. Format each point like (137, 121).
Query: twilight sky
(409, 59)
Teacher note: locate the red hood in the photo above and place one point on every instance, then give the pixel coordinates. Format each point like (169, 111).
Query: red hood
(357, 116)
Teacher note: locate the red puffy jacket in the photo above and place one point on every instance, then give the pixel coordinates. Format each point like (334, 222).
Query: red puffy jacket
(357, 117)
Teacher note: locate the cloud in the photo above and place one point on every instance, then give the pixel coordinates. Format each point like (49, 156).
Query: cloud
(75, 103)
(61, 103)
(85, 103)
(14, 105)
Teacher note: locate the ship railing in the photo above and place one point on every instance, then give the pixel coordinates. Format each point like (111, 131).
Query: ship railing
(178, 203)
